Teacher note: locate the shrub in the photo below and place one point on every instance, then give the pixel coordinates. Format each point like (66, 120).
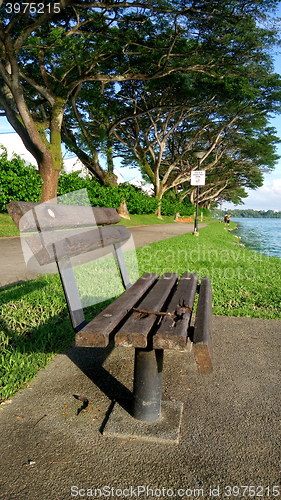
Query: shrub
(23, 183)
(17, 181)
(171, 205)
(108, 196)
(70, 182)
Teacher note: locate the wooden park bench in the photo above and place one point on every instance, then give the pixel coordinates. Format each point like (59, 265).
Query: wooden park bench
(151, 315)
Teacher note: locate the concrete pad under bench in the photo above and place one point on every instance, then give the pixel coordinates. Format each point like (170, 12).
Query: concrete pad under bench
(165, 430)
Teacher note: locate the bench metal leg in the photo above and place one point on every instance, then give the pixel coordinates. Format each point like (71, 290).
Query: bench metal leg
(147, 384)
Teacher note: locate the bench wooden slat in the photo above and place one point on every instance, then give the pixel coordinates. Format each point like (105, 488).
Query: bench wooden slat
(202, 341)
(173, 334)
(134, 333)
(73, 242)
(97, 332)
(52, 216)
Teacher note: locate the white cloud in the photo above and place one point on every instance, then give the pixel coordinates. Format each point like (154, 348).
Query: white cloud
(273, 189)
(267, 197)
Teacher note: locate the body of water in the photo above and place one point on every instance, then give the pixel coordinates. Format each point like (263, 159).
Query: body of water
(261, 235)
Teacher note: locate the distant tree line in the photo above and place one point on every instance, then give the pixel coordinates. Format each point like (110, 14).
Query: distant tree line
(249, 213)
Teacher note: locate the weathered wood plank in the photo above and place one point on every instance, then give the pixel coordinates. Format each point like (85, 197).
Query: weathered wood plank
(172, 333)
(17, 209)
(52, 216)
(134, 333)
(202, 341)
(73, 242)
(97, 332)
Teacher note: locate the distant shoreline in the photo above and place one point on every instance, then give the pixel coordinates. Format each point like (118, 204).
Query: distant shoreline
(241, 217)
(248, 213)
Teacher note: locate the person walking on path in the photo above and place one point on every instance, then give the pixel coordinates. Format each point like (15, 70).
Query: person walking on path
(228, 219)
(225, 219)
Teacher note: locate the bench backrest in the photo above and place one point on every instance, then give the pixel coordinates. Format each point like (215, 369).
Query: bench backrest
(55, 233)
(49, 216)
(59, 231)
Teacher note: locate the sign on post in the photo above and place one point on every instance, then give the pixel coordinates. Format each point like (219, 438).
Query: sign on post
(198, 178)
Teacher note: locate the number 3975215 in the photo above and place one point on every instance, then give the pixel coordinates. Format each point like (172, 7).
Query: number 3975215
(32, 8)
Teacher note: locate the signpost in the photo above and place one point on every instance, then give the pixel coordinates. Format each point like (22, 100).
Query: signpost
(198, 178)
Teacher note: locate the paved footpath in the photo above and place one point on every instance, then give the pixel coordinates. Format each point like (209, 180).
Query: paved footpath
(12, 264)
(230, 432)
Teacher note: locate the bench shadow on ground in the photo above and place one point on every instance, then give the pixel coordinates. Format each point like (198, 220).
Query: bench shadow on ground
(90, 361)
(58, 331)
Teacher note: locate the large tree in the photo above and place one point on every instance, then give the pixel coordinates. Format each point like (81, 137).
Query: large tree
(49, 53)
(229, 123)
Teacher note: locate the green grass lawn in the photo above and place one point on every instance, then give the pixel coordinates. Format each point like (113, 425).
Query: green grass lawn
(7, 226)
(143, 220)
(245, 283)
(34, 323)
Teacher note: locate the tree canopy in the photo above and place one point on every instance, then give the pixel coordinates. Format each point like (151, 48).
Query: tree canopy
(158, 125)
(63, 64)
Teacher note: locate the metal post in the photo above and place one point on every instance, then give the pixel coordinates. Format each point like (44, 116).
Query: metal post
(196, 217)
(148, 384)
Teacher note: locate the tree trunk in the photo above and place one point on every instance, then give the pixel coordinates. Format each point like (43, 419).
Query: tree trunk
(47, 154)
(110, 179)
(90, 162)
(109, 156)
(158, 211)
(51, 165)
(50, 178)
(193, 196)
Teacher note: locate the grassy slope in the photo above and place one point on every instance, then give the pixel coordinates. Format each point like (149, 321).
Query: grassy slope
(245, 283)
(34, 323)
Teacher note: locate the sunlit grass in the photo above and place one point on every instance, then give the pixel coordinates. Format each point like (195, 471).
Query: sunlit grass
(7, 226)
(244, 282)
(34, 322)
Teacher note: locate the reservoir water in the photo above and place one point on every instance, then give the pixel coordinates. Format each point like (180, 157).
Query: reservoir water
(261, 235)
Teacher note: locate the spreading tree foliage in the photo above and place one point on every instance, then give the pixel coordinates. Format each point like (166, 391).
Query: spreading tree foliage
(59, 60)
(157, 123)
